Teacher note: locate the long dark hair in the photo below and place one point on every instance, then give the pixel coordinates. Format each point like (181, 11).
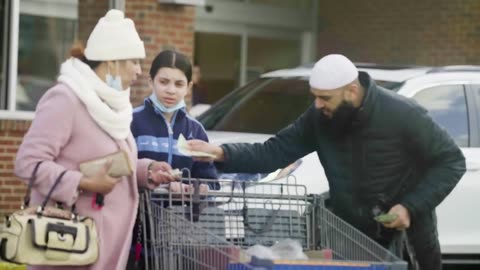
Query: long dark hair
(77, 51)
(171, 59)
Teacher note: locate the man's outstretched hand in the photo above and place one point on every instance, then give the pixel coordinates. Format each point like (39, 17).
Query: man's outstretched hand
(205, 147)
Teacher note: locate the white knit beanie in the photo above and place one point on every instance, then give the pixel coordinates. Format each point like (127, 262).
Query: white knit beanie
(114, 38)
(332, 72)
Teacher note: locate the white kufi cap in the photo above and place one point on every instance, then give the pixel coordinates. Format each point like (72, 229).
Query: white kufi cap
(114, 38)
(332, 72)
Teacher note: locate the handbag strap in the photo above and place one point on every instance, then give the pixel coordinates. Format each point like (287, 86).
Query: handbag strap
(57, 181)
(26, 198)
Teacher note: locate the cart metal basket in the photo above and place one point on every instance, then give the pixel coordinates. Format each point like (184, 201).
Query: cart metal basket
(190, 229)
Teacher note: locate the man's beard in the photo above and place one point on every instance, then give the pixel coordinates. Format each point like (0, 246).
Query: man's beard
(341, 121)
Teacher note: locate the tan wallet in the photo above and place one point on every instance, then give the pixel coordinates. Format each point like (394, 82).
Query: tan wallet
(120, 165)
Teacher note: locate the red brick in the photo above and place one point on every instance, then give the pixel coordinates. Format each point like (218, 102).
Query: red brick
(11, 198)
(13, 183)
(19, 190)
(16, 133)
(12, 150)
(187, 20)
(6, 142)
(14, 207)
(6, 158)
(4, 190)
(10, 208)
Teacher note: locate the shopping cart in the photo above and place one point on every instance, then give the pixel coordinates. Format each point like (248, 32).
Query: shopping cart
(177, 243)
(194, 230)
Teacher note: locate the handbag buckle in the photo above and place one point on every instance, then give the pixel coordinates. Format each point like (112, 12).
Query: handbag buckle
(61, 237)
(39, 210)
(61, 230)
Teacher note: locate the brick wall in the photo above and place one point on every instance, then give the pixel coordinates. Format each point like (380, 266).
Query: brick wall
(11, 189)
(430, 32)
(89, 11)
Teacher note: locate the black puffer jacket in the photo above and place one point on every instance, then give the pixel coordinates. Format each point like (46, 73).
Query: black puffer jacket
(393, 153)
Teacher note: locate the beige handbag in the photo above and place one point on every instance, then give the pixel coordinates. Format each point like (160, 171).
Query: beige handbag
(46, 235)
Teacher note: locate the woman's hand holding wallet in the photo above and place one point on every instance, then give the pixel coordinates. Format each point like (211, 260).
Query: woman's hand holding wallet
(100, 182)
(102, 174)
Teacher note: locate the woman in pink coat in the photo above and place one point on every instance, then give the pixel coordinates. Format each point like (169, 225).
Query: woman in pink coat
(86, 116)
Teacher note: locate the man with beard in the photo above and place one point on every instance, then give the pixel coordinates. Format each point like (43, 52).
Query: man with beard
(381, 153)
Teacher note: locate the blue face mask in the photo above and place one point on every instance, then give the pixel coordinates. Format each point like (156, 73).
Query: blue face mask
(115, 83)
(162, 107)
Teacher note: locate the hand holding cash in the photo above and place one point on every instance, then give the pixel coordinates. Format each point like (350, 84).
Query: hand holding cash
(184, 149)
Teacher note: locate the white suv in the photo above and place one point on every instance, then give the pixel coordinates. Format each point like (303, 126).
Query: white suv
(451, 94)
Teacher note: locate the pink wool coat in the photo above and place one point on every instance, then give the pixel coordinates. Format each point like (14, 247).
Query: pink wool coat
(63, 135)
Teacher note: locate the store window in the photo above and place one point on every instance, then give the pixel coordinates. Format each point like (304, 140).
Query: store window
(219, 68)
(3, 53)
(36, 38)
(44, 41)
(268, 54)
(255, 36)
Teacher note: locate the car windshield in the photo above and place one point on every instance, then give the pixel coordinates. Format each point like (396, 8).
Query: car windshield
(265, 105)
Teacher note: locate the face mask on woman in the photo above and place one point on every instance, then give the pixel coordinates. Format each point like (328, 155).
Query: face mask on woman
(162, 107)
(114, 82)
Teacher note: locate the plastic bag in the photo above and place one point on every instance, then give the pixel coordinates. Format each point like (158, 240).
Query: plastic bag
(287, 249)
(261, 252)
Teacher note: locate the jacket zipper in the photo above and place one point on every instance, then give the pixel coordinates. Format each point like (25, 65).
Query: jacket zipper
(170, 136)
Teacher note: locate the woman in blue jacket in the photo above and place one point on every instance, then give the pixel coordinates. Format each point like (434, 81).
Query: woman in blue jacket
(159, 122)
(157, 125)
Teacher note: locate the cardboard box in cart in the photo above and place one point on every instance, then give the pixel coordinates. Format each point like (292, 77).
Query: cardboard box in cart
(307, 265)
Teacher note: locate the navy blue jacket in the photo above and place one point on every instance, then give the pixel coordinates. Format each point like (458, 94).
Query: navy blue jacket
(158, 141)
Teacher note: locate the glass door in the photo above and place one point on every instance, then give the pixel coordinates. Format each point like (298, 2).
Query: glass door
(267, 54)
(238, 40)
(217, 57)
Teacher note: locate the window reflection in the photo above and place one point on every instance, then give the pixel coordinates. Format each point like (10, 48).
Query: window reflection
(447, 106)
(44, 43)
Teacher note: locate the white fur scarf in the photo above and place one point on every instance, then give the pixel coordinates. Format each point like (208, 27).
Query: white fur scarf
(111, 109)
